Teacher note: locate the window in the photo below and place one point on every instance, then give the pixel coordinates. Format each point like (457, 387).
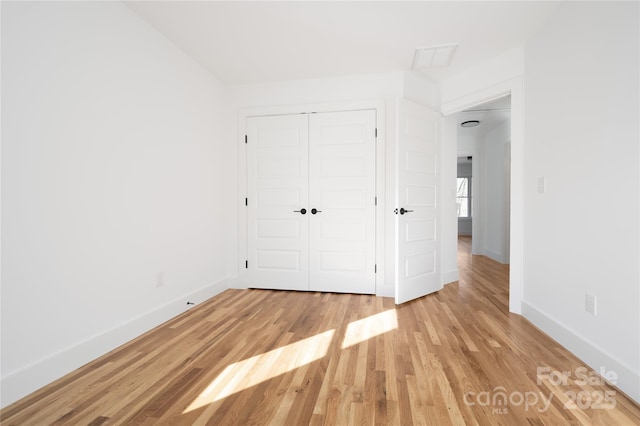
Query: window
(463, 197)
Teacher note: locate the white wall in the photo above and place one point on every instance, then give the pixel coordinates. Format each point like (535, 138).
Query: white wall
(582, 134)
(114, 177)
(467, 141)
(480, 77)
(421, 90)
(299, 92)
(492, 201)
(449, 208)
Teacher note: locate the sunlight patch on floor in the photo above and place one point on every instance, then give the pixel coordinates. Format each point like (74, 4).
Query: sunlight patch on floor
(366, 328)
(257, 369)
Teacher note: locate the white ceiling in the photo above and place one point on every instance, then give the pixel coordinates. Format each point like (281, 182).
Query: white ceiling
(249, 42)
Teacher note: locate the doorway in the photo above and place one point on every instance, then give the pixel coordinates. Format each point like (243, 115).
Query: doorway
(479, 96)
(483, 179)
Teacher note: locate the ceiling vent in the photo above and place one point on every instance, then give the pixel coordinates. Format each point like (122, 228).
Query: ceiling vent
(434, 56)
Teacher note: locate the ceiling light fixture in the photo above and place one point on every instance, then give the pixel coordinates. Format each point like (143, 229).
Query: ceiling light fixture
(433, 57)
(470, 123)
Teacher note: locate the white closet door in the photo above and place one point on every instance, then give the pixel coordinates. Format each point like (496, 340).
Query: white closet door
(277, 181)
(342, 176)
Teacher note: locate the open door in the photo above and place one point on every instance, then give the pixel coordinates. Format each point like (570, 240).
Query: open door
(417, 210)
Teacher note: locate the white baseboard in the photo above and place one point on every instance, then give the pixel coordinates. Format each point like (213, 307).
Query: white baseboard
(493, 255)
(21, 383)
(450, 276)
(386, 290)
(238, 284)
(595, 357)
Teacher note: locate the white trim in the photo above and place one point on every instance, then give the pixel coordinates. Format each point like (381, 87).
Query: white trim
(506, 236)
(474, 99)
(386, 290)
(592, 355)
(381, 185)
(450, 276)
(20, 383)
(516, 257)
(494, 255)
(243, 113)
(243, 193)
(379, 107)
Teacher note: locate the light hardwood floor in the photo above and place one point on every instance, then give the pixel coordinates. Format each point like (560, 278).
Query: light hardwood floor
(287, 358)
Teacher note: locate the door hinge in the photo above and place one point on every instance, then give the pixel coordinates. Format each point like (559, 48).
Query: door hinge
(246, 264)
(375, 202)
(375, 269)
(245, 138)
(246, 201)
(376, 132)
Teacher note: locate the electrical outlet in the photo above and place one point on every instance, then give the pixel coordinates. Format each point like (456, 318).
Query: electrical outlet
(160, 279)
(591, 303)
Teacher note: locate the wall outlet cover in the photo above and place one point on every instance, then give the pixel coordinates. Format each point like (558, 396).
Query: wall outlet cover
(590, 303)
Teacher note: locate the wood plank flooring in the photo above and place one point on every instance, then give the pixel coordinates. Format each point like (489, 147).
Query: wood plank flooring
(288, 358)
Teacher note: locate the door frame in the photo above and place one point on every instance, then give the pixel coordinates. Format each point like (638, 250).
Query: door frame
(380, 108)
(514, 87)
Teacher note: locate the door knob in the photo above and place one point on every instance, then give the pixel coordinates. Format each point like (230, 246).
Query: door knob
(403, 210)
(314, 211)
(301, 211)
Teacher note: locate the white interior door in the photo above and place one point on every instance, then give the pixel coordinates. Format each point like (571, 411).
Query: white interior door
(417, 213)
(342, 176)
(278, 182)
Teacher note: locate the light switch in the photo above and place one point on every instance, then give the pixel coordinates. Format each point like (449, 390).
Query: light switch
(591, 304)
(542, 185)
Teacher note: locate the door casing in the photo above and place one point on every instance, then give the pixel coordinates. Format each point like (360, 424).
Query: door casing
(514, 87)
(381, 183)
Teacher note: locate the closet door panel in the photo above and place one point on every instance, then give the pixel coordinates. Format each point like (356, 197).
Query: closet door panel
(342, 190)
(277, 181)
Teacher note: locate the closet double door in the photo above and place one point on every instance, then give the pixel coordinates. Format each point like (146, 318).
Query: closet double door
(311, 205)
